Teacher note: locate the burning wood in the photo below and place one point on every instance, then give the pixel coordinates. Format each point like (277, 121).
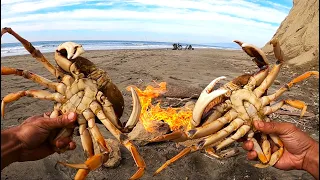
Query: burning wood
(156, 120)
(176, 118)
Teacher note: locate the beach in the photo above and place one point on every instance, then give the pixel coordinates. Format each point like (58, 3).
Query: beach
(186, 72)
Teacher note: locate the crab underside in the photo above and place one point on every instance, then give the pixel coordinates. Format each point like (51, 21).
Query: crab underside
(224, 115)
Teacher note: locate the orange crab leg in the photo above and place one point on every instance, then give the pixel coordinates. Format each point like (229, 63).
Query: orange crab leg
(294, 103)
(267, 99)
(257, 148)
(40, 94)
(167, 137)
(276, 155)
(175, 158)
(92, 163)
(122, 138)
(34, 77)
(34, 52)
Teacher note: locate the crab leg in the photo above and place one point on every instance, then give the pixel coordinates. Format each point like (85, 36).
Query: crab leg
(177, 134)
(218, 111)
(294, 103)
(90, 164)
(257, 148)
(239, 133)
(267, 99)
(87, 146)
(199, 132)
(276, 155)
(211, 152)
(123, 139)
(29, 75)
(234, 125)
(93, 161)
(175, 158)
(40, 94)
(108, 109)
(212, 127)
(259, 91)
(34, 52)
(85, 136)
(96, 134)
(205, 143)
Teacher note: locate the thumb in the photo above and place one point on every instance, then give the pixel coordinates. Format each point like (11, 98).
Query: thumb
(274, 127)
(60, 121)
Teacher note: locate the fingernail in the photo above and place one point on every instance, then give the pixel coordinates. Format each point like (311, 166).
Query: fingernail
(259, 124)
(71, 116)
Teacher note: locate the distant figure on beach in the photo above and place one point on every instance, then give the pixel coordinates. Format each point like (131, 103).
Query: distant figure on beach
(188, 47)
(177, 46)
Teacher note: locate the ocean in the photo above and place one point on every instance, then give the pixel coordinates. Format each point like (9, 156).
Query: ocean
(12, 49)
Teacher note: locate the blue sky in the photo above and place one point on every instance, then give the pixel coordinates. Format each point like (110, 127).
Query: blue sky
(192, 21)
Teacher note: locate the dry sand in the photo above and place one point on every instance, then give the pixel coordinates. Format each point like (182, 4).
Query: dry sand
(187, 73)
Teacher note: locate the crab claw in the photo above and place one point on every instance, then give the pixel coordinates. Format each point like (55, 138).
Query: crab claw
(206, 96)
(259, 56)
(65, 52)
(73, 49)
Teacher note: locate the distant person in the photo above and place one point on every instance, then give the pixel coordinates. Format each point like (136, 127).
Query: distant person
(300, 150)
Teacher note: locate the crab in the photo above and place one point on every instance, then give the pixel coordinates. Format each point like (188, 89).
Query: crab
(87, 90)
(234, 107)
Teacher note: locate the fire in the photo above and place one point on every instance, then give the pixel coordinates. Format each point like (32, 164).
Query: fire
(175, 117)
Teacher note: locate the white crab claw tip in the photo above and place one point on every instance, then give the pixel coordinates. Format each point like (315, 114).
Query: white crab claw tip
(79, 51)
(210, 86)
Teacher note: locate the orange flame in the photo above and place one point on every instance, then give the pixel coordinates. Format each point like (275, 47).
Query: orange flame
(174, 117)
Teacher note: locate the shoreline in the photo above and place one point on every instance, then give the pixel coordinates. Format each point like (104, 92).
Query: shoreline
(135, 49)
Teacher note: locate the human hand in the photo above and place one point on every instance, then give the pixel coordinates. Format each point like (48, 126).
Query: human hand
(300, 150)
(31, 140)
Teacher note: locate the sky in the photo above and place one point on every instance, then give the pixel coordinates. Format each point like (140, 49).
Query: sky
(189, 21)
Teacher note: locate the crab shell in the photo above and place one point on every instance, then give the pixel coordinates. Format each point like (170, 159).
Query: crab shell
(68, 58)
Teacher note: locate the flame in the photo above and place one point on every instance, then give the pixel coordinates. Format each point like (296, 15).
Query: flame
(176, 118)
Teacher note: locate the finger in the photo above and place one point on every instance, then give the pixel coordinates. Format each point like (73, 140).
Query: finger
(247, 145)
(274, 127)
(63, 142)
(252, 155)
(59, 122)
(47, 114)
(72, 145)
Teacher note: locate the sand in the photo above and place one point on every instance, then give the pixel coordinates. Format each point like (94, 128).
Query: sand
(187, 73)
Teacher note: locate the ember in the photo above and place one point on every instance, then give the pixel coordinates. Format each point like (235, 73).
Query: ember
(176, 118)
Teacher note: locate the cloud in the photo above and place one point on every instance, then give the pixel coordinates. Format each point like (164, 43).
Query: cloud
(195, 20)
